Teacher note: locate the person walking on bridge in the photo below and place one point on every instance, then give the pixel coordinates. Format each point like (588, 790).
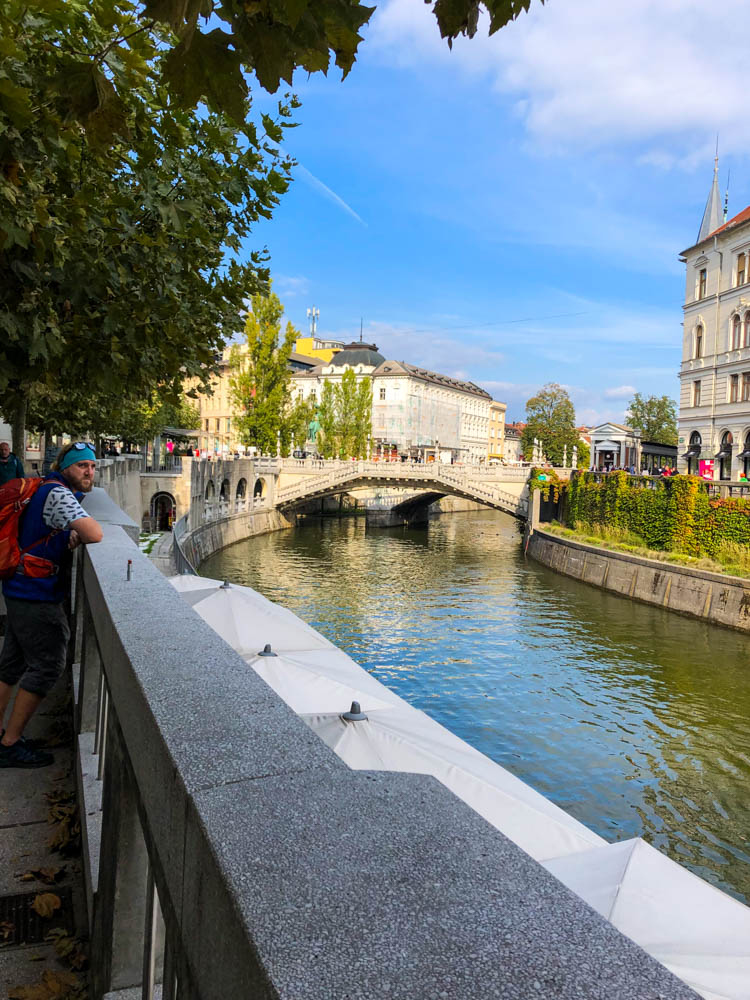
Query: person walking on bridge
(37, 630)
(10, 466)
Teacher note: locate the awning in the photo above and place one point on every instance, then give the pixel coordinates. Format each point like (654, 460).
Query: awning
(744, 454)
(693, 452)
(722, 454)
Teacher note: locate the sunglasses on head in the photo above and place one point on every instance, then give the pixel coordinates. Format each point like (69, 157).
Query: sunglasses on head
(80, 445)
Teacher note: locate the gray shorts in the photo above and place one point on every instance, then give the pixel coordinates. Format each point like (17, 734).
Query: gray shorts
(35, 645)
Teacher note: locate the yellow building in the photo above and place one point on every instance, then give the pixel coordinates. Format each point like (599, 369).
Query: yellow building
(496, 438)
(316, 347)
(217, 423)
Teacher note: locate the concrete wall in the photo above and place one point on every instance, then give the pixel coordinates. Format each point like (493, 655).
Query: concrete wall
(208, 538)
(120, 478)
(723, 600)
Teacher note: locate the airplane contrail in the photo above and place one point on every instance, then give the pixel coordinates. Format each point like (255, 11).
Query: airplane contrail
(313, 181)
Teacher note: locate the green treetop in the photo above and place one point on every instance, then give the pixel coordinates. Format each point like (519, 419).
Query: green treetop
(655, 417)
(551, 418)
(260, 384)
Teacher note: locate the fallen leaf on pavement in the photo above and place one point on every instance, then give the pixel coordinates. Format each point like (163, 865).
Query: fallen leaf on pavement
(46, 903)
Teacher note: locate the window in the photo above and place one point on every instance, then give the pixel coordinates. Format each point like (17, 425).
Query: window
(382, 393)
(702, 283)
(229, 424)
(746, 336)
(745, 386)
(699, 342)
(734, 384)
(741, 269)
(696, 394)
(736, 333)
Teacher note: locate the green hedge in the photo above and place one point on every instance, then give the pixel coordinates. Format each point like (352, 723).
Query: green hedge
(677, 515)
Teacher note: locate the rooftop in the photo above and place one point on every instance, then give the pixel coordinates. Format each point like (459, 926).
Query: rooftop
(403, 368)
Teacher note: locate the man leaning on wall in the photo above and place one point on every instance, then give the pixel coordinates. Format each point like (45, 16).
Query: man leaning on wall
(37, 631)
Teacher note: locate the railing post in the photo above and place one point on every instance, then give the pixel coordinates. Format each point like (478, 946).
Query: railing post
(117, 941)
(91, 665)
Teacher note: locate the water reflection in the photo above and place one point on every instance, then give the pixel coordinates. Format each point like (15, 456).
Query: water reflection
(633, 719)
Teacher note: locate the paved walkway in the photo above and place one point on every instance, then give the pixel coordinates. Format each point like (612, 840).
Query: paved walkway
(161, 555)
(26, 798)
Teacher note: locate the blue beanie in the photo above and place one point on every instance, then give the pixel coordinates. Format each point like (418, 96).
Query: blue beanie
(85, 454)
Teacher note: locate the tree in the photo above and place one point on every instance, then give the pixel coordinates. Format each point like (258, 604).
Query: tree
(118, 257)
(208, 48)
(131, 172)
(327, 435)
(296, 423)
(363, 419)
(584, 454)
(551, 418)
(345, 415)
(260, 385)
(655, 417)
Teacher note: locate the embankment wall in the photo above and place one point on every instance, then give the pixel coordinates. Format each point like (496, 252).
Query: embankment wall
(722, 600)
(203, 541)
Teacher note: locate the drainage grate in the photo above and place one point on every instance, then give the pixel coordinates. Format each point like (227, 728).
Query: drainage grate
(27, 926)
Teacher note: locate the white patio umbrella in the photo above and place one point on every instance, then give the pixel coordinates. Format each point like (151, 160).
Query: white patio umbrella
(319, 681)
(698, 932)
(245, 619)
(404, 739)
(315, 680)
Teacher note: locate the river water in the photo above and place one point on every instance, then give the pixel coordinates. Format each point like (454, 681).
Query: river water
(634, 719)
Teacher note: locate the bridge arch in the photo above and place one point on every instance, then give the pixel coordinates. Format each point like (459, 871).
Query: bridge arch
(503, 490)
(210, 490)
(260, 490)
(224, 491)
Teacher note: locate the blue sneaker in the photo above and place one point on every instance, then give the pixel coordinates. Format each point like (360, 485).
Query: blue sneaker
(21, 755)
(31, 743)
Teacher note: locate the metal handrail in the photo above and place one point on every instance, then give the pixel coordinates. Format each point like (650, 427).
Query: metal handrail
(183, 564)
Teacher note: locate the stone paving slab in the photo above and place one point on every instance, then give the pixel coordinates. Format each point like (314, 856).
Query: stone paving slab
(24, 966)
(23, 792)
(25, 847)
(24, 833)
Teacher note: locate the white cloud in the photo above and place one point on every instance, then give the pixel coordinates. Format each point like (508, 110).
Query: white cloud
(287, 286)
(620, 392)
(585, 73)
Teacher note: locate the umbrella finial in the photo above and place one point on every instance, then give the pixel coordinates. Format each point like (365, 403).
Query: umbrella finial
(355, 714)
(226, 585)
(267, 651)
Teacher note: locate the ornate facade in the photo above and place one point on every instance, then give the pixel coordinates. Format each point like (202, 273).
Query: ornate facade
(714, 421)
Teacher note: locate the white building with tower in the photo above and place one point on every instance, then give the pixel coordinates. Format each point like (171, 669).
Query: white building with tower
(714, 420)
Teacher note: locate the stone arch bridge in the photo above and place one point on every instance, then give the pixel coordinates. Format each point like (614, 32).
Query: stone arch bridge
(499, 488)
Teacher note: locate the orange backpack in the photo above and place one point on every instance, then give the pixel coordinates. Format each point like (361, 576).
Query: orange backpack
(15, 496)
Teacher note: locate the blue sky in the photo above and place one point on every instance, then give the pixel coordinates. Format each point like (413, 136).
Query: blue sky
(512, 211)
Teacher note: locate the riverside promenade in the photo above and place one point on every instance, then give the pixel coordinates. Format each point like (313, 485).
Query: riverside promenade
(228, 853)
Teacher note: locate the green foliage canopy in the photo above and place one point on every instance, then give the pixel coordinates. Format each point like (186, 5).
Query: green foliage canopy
(260, 384)
(551, 418)
(209, 47)
(655, 417)
(345, 415)
(118, 257)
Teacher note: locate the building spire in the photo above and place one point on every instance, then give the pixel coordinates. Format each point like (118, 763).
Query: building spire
(713, 216)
